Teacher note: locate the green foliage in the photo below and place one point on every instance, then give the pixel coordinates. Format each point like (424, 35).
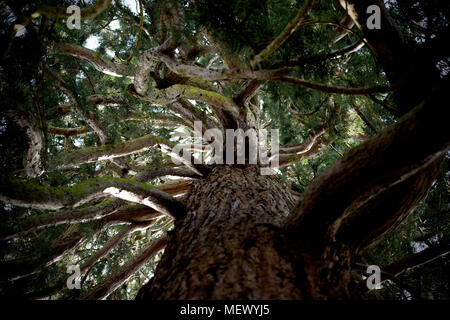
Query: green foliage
(242, 28)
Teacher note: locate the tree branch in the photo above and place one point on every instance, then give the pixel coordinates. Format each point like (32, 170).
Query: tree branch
(104, 289)
(306, 151)
(106, 152)
(284, 35)
(21, 267)
(104, 66)
(32, 161)
(154, 173)
(90, 119)
(337, 89)
(44, 197)
(70, 216)
(67, 132)
(110, 245)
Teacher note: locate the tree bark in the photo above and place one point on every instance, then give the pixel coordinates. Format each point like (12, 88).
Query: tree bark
(229, 245)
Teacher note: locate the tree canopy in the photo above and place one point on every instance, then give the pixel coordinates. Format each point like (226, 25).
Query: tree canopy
(90, 117)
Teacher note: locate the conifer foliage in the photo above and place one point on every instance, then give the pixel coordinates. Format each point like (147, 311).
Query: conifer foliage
(91, 118)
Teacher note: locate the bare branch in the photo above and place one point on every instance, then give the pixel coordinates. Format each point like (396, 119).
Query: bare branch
(156, 199)
(391, 157)
(306, 151)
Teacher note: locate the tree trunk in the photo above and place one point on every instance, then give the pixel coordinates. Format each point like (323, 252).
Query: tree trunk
(230, 245)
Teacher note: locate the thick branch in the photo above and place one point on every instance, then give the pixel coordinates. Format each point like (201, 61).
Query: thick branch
(94, 154)
(214, 75)
(348, 23)
(391, 157)
(417, 259)
(364, 118)
(173, 93)
(104, 66)
(305, 146)
(385, 211)
(156, 199)
(44, 197)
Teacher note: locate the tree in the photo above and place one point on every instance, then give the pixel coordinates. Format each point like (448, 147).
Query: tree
(362, 133)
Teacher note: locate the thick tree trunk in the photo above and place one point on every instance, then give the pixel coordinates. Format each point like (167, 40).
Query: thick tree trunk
(230, 244)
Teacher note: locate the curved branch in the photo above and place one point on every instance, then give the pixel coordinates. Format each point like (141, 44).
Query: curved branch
(367, 224)
(156, 199)
(173, 93)
(76, 105)
(206, 74)
(104, 66)
(306, 145)
(306, 151)
(21, 267)
(86, 13)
